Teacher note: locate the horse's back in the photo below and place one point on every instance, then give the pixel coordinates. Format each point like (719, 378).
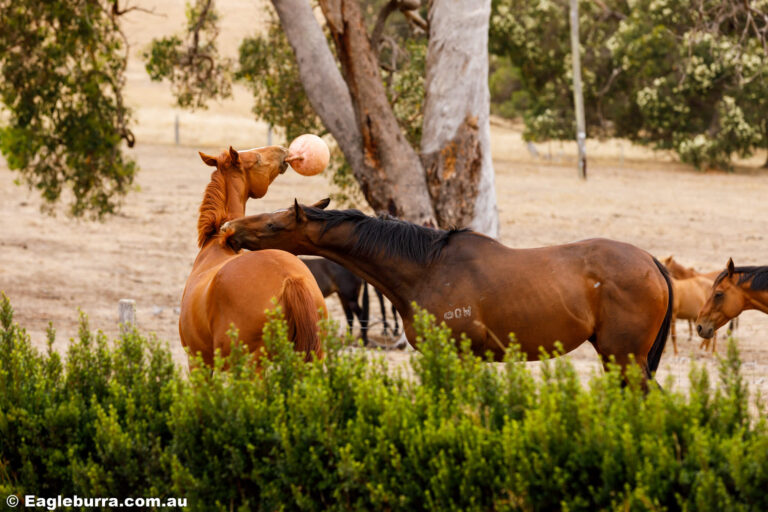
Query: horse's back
(256, 277)
(559, 293)
(246, 287)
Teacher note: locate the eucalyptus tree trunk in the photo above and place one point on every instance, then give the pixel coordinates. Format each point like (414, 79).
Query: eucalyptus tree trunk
(394, 180)
(455, 141)
(452, 182)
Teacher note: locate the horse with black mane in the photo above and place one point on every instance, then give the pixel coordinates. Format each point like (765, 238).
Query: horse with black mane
(736, 289)
(611, 293)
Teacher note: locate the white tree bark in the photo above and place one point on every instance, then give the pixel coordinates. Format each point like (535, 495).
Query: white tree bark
(457, 106)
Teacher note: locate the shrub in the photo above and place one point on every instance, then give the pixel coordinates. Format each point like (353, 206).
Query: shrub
(450, 432)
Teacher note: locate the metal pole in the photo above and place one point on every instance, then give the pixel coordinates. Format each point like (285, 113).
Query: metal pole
(269, 134)
(578, 96)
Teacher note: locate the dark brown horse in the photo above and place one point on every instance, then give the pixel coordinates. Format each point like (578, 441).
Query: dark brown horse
(610, 293)
(226, 288)
(734, 290)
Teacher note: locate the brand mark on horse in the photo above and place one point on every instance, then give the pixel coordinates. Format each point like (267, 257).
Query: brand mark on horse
(458, 313)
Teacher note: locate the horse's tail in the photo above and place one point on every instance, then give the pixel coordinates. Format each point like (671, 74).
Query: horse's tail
(654, 355)
(301, 315)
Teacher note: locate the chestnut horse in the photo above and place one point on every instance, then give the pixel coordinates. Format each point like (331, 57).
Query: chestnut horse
(226, 288)
(678, 271)
(613, 294)
(734, 290)
(690, 295)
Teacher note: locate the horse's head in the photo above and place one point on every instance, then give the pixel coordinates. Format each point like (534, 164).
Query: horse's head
(282, 229)
(677, 270)
(725, 302)
(257, 168)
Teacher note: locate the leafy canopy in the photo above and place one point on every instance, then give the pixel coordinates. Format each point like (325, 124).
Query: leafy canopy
(688, 76)
(63, 65)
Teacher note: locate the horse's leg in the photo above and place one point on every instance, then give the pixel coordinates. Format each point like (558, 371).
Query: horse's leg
(690, 329)
(625, 336)
(365, 318)
(354, 307)
(623, 360)
(394, 315)
(347, 311)
(674, 333)
(383, 312)
(714, 343)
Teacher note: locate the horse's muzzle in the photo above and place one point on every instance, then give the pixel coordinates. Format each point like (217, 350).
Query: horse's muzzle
(705, 332)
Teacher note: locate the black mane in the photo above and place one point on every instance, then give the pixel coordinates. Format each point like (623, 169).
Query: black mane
(387, 235)
(757, 276)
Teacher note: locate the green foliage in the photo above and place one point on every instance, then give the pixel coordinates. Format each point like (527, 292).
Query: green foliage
(686, 76)
(346, 432)
(62, 65)
(509, 98)
(191, 62)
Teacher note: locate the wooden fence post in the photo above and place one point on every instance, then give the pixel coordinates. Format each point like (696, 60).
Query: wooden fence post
(126, 312)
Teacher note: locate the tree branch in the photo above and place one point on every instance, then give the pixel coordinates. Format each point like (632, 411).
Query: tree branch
(381, 20)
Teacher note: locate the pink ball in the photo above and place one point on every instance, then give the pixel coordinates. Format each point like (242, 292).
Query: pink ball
(308, 154)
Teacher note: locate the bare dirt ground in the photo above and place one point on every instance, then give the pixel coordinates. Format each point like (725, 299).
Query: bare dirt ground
(52, 266)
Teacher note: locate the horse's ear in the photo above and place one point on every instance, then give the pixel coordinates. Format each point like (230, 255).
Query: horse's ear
(322, 204)
(299, 212)
(235, 156)
(208, 159)
(730, 267)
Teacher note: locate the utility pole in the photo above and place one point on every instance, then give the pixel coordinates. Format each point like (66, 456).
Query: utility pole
(578, 96)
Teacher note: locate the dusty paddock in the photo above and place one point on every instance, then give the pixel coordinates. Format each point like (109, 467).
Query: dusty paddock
(50, 267)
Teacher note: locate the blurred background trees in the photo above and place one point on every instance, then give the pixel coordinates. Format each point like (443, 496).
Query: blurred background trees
(684, 75)
(62, 65)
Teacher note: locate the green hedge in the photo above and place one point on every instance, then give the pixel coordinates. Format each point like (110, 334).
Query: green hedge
(450, 433)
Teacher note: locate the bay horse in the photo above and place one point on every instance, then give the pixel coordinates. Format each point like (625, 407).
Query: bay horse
(736, 289)
(229, 288)
(611, 293)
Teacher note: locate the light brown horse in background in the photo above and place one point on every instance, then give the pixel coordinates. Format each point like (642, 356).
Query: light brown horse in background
(226, 288)
(678, 271)
(735, 290)
(613, 294)
(690, 296)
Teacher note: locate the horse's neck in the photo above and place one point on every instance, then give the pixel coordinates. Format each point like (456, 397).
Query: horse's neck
(236, 199)
(394, 277)
(758, 300)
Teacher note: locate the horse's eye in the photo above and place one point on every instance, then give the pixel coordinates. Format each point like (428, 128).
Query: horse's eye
(271, 226)
(719, 295)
